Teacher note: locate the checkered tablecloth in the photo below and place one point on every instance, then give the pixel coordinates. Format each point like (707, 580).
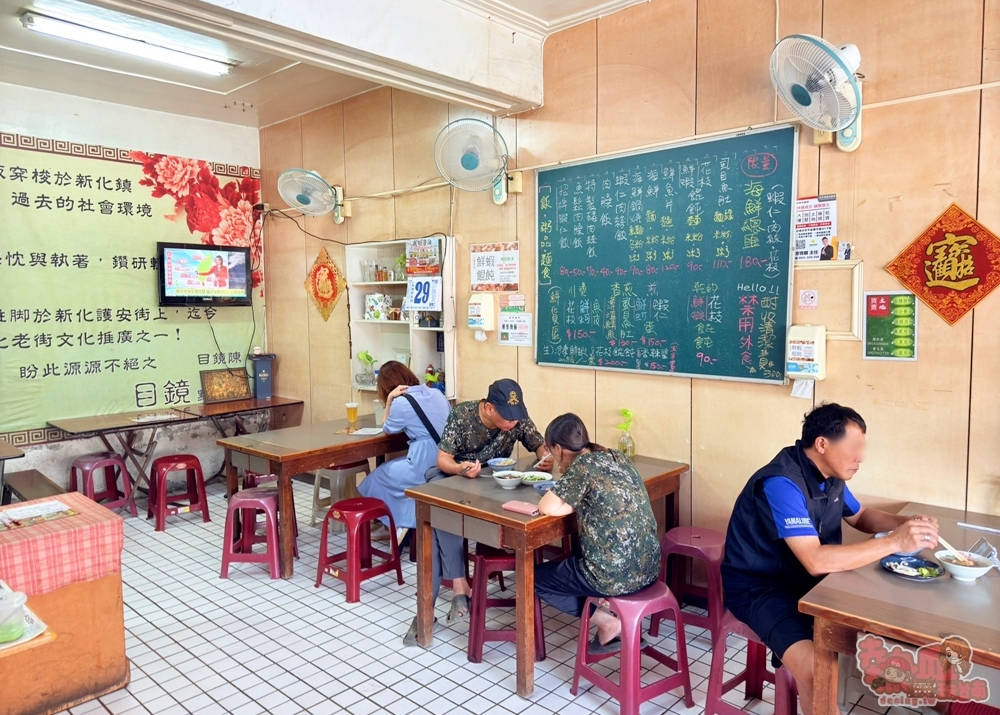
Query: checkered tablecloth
(43, 557)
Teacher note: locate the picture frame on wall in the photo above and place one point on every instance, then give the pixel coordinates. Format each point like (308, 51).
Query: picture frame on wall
(225, 385)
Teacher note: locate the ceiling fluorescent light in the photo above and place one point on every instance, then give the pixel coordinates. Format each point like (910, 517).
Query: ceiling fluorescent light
(125, 45)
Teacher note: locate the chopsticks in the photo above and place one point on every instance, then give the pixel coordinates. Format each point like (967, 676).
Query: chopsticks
(965, 560)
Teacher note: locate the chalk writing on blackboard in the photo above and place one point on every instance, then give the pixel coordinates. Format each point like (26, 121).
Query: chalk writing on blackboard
(673, 261)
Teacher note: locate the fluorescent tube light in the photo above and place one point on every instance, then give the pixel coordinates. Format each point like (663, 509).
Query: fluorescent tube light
(125, 45)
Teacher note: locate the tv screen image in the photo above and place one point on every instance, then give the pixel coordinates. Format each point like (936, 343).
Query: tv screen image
(203, 275)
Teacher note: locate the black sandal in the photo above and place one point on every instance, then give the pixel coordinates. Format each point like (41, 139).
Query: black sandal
(595, 647)
(410, 639)
(460, 607)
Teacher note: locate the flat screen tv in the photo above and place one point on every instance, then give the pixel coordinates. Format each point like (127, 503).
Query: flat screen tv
(200, 274)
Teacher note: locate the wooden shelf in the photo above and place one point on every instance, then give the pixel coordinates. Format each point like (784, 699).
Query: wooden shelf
(428, 330)
(365, 388)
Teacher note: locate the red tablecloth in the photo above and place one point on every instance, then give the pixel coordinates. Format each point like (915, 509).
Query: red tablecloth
(43, 557)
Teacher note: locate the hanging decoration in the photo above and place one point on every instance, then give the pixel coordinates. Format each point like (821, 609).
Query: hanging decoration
(325, 284)
(952, 265)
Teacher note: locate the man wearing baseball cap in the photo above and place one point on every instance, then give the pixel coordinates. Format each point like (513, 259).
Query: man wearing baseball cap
(476, 431)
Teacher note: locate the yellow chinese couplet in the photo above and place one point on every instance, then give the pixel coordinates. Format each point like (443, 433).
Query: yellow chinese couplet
(80, 330)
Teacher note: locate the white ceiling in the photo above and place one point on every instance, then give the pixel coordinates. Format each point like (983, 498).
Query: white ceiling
(262, 89)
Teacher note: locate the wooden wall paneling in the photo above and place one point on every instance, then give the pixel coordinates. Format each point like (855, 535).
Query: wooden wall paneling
(565, 127)
(646, 74)
(662, 408)
(917, 413)
(909, 48)
(479, 220)
(736, 428)
(734, 48)
(281, 148)
(416, 123)
(423, 213)
(991, 42)
(368, 164)
(329, 341)
(984, 430)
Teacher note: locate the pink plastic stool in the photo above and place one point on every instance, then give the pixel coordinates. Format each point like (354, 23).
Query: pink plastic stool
(253, 479)
(630, 692)
(240, 550)
(785, 692)
(357, 515)
(163, 504)
(489, 561)
(113, 464)
(709, 546)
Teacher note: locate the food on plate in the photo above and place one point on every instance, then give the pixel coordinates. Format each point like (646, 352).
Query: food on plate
(532, 477)
(904, 570)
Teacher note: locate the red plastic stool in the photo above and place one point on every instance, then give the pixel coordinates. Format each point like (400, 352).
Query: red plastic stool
(163, 504)
(240, 550)
(113, 464)
(357, 515)
(253, 479)
(785, 692)
(629, 692)
(489, 561)
(709, 546)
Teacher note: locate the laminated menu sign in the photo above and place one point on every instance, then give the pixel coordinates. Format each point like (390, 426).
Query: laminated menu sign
(495, 267)
(890, 330)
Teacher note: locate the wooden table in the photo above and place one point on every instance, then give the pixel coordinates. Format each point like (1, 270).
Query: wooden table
(215, 411)
(871, 600)
(472, 508)
(291, 451)
(7, 452)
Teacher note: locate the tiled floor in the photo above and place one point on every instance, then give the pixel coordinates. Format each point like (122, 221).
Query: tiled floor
(247, 645)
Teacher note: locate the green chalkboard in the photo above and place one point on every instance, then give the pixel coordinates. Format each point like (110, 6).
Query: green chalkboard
(674, 261)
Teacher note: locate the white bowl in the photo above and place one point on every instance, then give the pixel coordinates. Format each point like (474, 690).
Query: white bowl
(882, 534)
(535, 477)
(507, 479)
(964, 573)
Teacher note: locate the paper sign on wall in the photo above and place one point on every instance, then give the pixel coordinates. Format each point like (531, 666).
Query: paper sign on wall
(515, 323)
(808, 299)
(495, 267)
(816, 228)
(890, 330)
(422, 257)
(423, 293)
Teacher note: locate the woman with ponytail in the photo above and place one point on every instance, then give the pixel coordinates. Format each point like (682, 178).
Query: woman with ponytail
(619, 551)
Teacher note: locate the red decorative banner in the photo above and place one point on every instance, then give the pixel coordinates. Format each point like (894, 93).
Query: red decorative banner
(952, 265)
(325, 284)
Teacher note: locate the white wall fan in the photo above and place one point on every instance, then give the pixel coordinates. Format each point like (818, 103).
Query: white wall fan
(817, 81)
(471, 155)
(309, 193)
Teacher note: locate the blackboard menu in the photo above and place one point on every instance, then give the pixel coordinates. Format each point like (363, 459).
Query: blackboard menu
(672, 261)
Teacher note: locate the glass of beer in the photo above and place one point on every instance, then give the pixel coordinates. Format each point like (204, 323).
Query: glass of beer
(352, 411)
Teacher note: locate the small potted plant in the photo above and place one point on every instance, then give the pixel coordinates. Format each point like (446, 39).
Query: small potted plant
(401, 267)
(625, 443)
(368, 376)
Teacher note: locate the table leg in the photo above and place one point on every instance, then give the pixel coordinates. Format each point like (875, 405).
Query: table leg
(286, 524)
(425, 585)
(824, 669)
(232, 486)
(129, 452)
(4, 498)
(525, 620)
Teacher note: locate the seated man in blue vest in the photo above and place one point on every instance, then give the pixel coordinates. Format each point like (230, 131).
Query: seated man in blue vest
(785, 536)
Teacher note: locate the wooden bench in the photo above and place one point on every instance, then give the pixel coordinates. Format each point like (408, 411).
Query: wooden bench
(27, 485)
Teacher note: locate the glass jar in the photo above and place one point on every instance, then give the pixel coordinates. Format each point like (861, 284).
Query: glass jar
(626, 445)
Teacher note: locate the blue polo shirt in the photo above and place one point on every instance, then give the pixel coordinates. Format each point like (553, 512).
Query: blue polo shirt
(789, 510)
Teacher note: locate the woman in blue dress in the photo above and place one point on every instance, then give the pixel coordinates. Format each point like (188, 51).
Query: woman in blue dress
(389, 480)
